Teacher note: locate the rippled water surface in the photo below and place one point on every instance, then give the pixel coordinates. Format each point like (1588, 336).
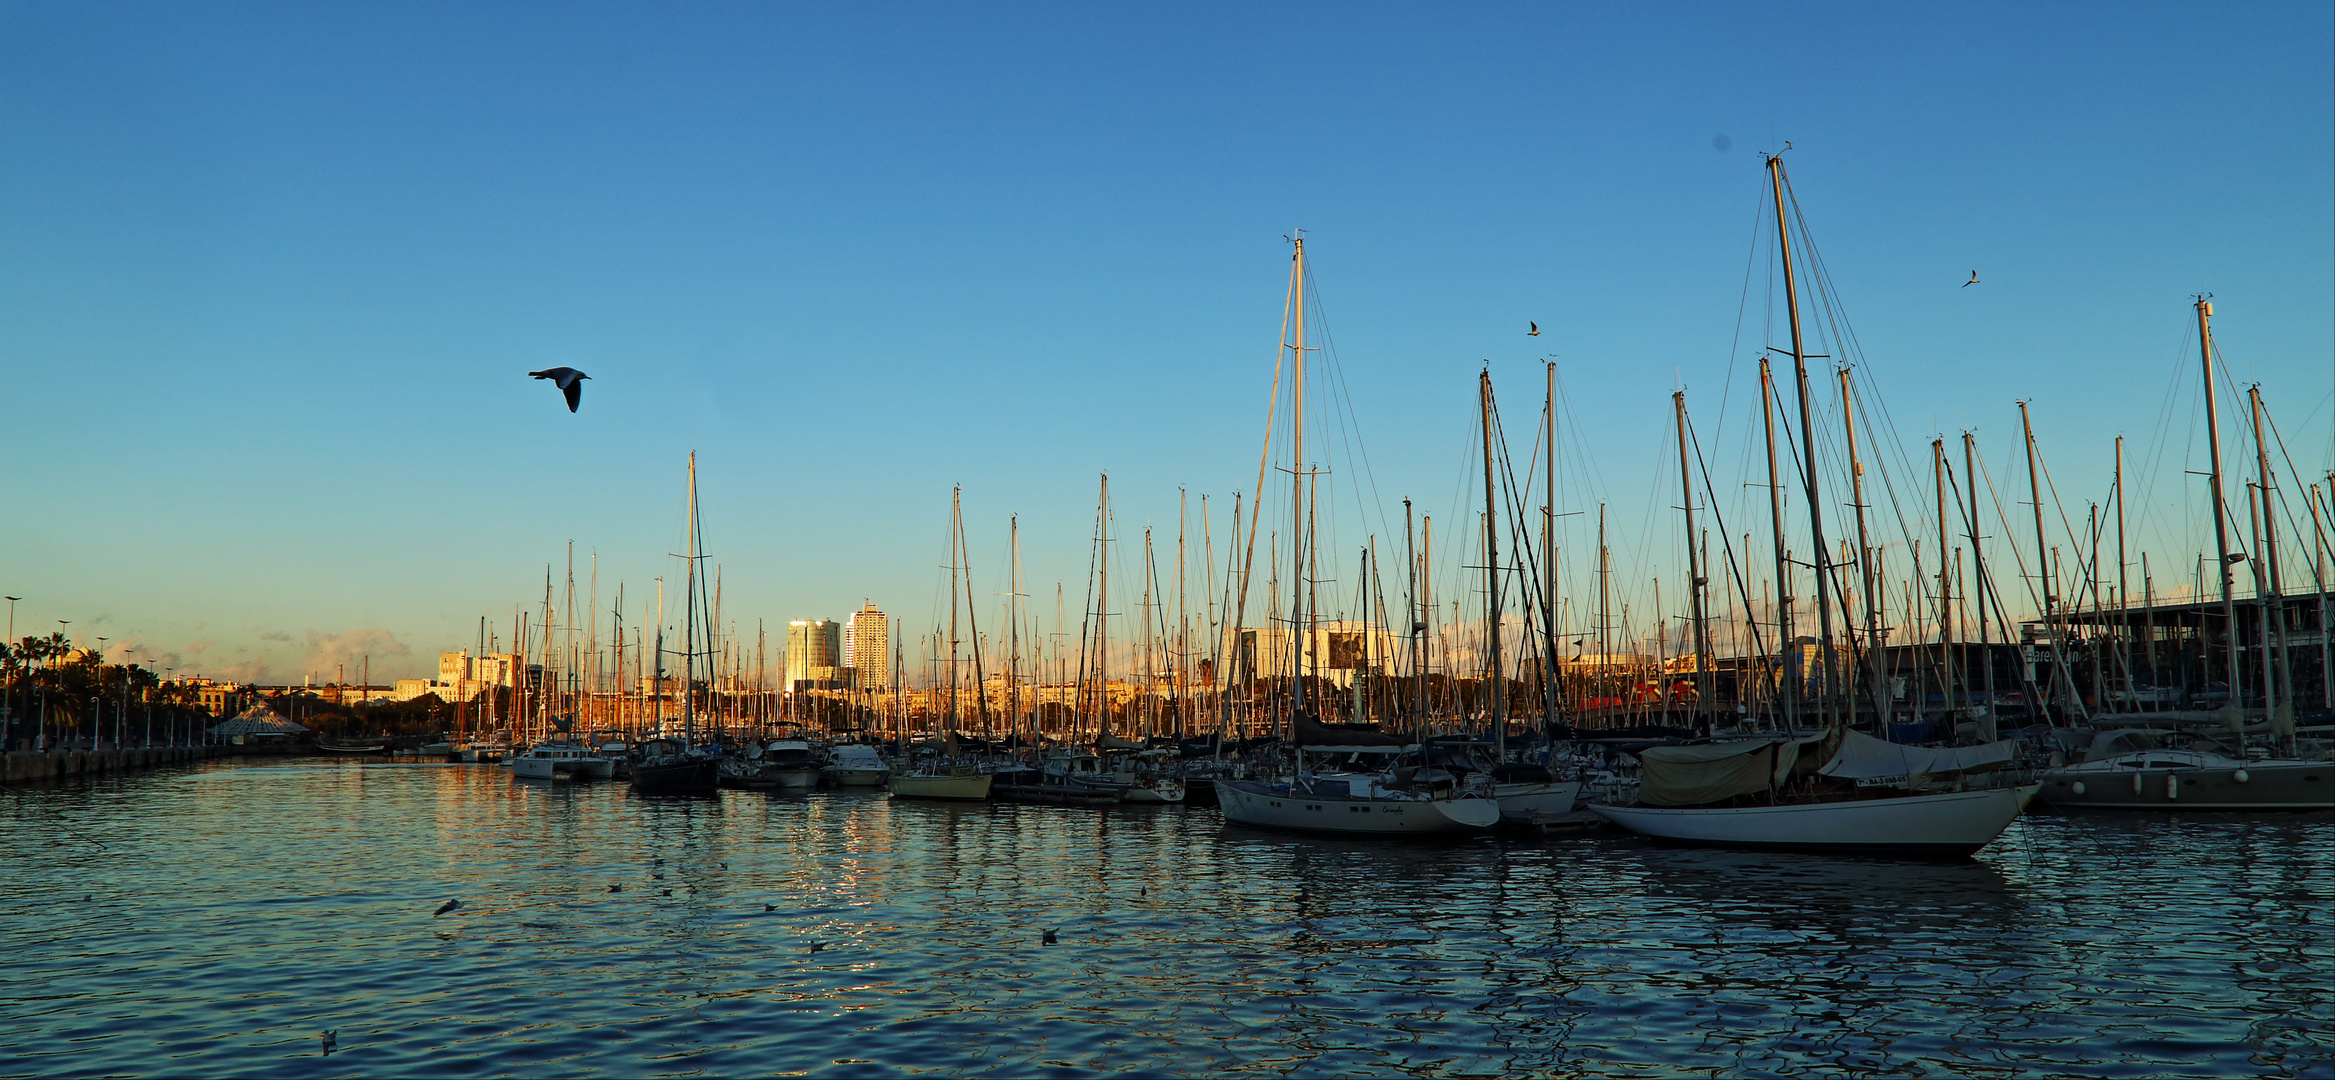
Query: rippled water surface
(214, 920)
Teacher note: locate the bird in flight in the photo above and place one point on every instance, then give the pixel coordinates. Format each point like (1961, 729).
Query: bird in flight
(569, 381)
(1534, 332)
(1973, 280)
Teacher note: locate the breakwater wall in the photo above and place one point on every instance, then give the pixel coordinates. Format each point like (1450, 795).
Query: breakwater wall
(51, 764)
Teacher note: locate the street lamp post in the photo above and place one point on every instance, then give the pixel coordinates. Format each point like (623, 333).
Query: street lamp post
(8, 685)
(97, 703)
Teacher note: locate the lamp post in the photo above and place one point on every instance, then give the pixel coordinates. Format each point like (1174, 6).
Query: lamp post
(8, 685)
(97, 702)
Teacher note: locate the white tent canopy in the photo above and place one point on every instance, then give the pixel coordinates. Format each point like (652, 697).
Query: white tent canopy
(257, 720)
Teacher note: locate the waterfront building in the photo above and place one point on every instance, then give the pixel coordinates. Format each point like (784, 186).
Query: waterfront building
(867, 647)
(811, 645)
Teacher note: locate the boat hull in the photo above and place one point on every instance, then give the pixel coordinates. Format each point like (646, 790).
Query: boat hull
(857, 777)
(970, 788)
(1536, 799)
(528, 768)
(695, 776)
(1954, 823)
(2301, 785)
(1253, 802)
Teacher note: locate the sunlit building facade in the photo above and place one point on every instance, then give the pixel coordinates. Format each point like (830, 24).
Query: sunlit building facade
(814, 652)
(867, 647)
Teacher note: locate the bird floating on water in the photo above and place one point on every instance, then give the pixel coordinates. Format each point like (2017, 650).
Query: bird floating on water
(1535, 331)
(616, 888)
(770, 907)
(330, 1039)
(569, 381)
(1973, 280)
(449, 905)
(816, 946)
(1047, 938)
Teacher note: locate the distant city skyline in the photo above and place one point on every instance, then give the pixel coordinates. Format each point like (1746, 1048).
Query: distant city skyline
(276, 275)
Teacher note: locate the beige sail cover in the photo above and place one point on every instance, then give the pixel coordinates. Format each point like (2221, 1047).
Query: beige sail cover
(1863, 757)
(1708, 773)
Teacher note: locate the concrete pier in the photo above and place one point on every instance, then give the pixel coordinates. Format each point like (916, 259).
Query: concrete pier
(52, 764)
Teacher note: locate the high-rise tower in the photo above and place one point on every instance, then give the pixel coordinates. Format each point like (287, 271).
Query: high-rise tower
(867, 647)
(811, 648)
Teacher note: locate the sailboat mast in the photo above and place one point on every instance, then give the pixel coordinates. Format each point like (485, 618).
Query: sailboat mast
(1548, 555)
(1978, 567)
(1785, 631)
(689, 618)
(1873, 649)
(2221, 517)
(956, 534)
(1694, 565)
(2266, 560)
(1775, 168)
(1945, 578)
(2042, 547)
(1297, 502)
(1498, 684)
(973, 623)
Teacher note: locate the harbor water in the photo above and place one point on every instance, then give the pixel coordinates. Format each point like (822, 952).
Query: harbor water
(214, 920)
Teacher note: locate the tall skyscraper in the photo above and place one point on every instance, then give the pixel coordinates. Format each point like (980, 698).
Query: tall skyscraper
(812, 646)
(867, 647)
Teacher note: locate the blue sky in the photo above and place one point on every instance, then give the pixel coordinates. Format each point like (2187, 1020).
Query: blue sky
(271, 276)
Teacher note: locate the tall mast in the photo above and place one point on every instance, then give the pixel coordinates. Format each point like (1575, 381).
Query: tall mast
(956, 541)
(2043, 575)
(1499, 684)
(1548, 559)
(973, 623)
(1945, 581)
(1299, 628)
(2266, 584)
(2123, 598)
(1013, 599)
(1694, 565)
(1873, 644)
(1103, 605)
(2221, 518)
(1978, 566)
(1785, 631)
(1411, 613)
(689, 619)
(1775, 168)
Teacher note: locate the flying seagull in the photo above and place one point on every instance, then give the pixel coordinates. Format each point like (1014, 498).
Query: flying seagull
(449, 905)
(1535, 331)
(1973, 280)
(569, 381)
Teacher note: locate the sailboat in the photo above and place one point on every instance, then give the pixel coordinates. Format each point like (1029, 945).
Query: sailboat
(1871, 795)
(935, 775)
(669, 766)
(1355, 787)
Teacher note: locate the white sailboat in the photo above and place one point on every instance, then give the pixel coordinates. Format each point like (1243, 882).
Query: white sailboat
(1871, 795)
(1369, 800)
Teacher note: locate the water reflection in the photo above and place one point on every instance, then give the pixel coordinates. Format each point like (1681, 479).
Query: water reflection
(235, 912)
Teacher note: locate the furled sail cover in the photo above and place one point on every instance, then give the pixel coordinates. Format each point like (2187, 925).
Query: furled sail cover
(1708, 773)
(1863, 757)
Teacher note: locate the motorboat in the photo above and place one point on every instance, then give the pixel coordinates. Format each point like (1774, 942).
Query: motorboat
(938, 780)
(553, 760)
(2194, 779)
(672, 767)
(855, 765)
(779, 765)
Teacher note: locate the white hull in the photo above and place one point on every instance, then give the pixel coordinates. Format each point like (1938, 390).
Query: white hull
(1540, 797)
(1253, 802)
(1154, 793)
(1957, 822)
(857, 777)
(527, 768)
(972, 787)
